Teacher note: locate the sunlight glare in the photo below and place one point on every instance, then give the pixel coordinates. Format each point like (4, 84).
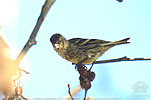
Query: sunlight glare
(9, 11)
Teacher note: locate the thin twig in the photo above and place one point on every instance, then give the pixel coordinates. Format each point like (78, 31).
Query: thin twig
(122, 59)
(73, 92)
(20, 69)
(70, 92)
(85, 94)
(32, 37)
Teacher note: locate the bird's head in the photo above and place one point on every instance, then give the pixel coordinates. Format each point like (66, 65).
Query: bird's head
(58, 41)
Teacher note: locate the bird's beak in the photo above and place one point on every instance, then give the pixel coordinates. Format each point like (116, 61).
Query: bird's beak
(56, 46)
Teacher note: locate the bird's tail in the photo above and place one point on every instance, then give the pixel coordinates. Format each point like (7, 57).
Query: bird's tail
(123, 41)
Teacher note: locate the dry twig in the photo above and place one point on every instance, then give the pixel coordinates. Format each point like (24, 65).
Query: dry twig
(73, 92)
(122, 59)
(32, 37)
(70, 92)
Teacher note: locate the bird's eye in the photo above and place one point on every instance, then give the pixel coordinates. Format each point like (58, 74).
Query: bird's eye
(59, 41)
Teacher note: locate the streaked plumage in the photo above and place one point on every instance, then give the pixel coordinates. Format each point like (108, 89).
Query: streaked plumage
(83, 51)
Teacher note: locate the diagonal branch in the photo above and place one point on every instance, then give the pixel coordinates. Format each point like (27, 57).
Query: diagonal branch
(122, 59)
(13, 90)
(32, 37)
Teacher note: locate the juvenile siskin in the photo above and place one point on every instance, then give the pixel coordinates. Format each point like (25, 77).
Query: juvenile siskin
(82, 51)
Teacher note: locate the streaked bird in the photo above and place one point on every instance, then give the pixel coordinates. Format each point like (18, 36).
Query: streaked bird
(82, 51)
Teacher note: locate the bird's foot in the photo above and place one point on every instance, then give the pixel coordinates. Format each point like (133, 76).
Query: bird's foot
(80, 65)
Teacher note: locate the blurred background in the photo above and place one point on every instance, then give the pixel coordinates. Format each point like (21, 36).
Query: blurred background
(97, 19)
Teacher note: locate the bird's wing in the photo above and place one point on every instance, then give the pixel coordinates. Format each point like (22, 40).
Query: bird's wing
(84, 42)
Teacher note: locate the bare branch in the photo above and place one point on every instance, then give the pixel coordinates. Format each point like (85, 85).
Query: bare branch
(10, 67)
(32, 37)
(116, 60)
(73, 92)
(86, 90)
(121, 59)
(70, 92)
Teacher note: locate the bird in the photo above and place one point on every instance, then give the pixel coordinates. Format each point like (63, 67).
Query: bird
(82, 50)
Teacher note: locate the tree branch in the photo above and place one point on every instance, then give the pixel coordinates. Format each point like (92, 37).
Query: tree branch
(73, 92)
(12, 90)
(70, 92)
(122, 59)
(32, 37)
(111, 61)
